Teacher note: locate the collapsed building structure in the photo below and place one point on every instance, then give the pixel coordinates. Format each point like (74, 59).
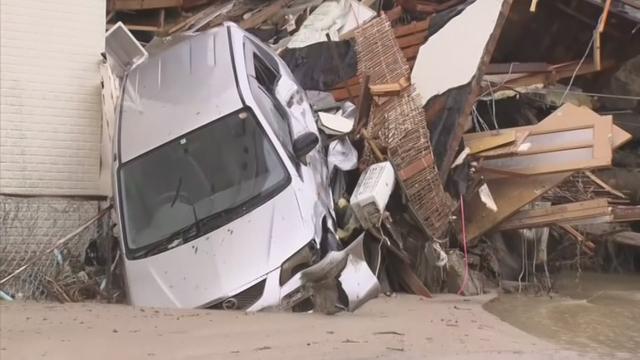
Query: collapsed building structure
(511, 128)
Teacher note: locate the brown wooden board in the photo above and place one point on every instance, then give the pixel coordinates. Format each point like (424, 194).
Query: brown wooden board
(571, 138)
(619, 138)
(626, 213)
(414, 27)
(144, 4)
(509, 195)
(489, 142)
(572, 213)
(627, 238)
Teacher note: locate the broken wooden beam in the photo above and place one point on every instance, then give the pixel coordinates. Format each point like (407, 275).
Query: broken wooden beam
(509, 195)
(590, 211)
(389, 89)
(557, 72)
(414, 27)
(627, 238)
(364, 105)
(586, 245)
(120, 5)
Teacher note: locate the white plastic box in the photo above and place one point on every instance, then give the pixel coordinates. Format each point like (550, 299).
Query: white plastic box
(372, 193)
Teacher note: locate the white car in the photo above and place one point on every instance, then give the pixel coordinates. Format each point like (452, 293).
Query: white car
(221, 183)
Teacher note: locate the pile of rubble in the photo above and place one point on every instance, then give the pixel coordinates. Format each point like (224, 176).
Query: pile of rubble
(498, 158)
(473, 143)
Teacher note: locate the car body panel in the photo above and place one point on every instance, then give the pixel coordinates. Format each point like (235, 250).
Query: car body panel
(167, 95)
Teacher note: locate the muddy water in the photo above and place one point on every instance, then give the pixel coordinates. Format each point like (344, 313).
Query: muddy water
(598, 312)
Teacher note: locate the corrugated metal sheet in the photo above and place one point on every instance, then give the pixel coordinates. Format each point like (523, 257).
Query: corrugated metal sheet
(50, 108)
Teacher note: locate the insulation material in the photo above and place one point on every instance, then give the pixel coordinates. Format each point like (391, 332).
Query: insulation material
(399, 124)
(331, 17)
(451, 57)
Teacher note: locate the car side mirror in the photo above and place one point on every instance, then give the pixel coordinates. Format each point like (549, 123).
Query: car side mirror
(304, 144)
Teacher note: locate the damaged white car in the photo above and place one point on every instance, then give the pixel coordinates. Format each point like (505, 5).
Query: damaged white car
(222, 186)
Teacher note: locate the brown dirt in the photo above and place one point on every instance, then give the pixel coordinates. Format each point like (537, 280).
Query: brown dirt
(402, 327)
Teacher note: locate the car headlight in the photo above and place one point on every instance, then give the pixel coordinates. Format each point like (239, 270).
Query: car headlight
(299, 261)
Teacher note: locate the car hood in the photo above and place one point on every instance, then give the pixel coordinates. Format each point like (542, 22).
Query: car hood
(223, 262)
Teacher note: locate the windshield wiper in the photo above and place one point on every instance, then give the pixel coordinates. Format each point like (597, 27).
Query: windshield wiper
(176, 238)
(177, 194)
(221, 216)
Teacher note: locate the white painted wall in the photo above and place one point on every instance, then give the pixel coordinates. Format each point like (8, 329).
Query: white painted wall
(50, 107)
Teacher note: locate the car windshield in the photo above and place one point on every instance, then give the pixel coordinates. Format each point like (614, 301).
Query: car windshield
(222, 170)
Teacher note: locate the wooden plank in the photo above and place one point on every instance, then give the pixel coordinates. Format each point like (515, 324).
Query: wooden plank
(119, 5)
(560, 209)
(411, 40)
(587, 245)
(364, 105)
(409, 279)
(509, 195)
(626, 213)
(605, 16)
(518, 68)
(389, 89)
(627, 238)
(414, 27)
(620, 137)
(558, 72)
(558, 152)
(604, 185)
(569, 214)
(342, 94)
(394, 14)
(521, 136)
(411, 52)
(597, 59)
(489, 142)
(133, 27)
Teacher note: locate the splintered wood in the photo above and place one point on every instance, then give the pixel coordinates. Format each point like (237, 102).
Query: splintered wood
(581, 186)
(525, 163)
(398, 124)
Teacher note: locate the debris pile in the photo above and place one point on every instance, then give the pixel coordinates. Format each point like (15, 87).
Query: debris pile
(469, 143)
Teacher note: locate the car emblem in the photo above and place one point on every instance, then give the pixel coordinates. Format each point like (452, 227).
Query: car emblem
(230, 304)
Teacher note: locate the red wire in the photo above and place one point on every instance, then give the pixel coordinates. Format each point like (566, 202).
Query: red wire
(464, 242)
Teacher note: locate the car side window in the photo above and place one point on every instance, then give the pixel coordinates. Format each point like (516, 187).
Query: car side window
(278, 124)
(263, 77)
(266, 76)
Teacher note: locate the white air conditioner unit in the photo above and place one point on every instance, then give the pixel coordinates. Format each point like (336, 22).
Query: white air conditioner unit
(372, 193)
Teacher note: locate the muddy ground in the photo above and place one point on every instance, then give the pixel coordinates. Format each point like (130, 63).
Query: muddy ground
(402, 327)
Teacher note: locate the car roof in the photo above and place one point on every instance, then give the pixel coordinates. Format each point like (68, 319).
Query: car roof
(186, 82)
